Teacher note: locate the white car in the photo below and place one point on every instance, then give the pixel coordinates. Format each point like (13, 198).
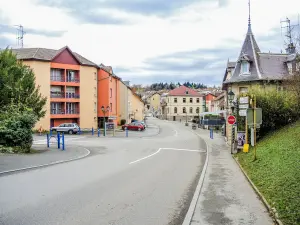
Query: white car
(70, 128)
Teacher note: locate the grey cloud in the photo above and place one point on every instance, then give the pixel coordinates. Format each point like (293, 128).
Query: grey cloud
(84, 10)
(202, 68)
(13, 30)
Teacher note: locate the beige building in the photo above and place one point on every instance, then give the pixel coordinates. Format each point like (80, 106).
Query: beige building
(136, 106)
(124, 92)
(183, 103)
(68, 80)
(153, 102)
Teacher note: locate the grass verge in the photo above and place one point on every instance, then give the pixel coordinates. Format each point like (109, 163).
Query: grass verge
(276, 172)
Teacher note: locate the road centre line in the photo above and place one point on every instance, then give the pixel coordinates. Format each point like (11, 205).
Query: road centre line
(187, 150)
(175, 149)
(146, 157)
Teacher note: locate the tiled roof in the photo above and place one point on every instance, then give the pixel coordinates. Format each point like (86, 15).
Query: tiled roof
(181, 91)
(231, 64)
(48, 55)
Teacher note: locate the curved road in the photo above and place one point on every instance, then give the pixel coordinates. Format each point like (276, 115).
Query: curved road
(145, 181)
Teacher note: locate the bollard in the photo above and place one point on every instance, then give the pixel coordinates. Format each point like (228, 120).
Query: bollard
(104, 130)
(98, 132)
(58, 140)
(126, 129)
(79, 131)
(63, 141)
(50, 133)
(211, 133)
(48, 144)
(93, 131)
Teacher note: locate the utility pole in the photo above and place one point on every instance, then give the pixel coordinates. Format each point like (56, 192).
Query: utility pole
(20, 35)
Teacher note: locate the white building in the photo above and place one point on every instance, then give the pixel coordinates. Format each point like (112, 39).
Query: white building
(183, 103)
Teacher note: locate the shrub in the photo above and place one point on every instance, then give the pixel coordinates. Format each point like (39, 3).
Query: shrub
(279, 108)
(16, 129)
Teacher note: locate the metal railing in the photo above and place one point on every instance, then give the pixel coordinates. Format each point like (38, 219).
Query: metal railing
(72, 111)
(57, 94)
(56, 78)
(75, 80)
(57, 111)
(72, 95)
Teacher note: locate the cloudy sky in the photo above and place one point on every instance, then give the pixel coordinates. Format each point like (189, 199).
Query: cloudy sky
(149, 41)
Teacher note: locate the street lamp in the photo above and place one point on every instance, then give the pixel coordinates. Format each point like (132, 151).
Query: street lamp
(104, 110)
(230, 98)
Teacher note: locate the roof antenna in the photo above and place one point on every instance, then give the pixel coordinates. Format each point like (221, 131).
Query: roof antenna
(20, 35)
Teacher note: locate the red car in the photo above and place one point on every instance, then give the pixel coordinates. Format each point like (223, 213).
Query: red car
(134, 126)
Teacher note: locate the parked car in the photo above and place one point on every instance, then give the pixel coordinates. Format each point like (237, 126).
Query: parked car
(143, 123)
(134, 126)
(70, 128)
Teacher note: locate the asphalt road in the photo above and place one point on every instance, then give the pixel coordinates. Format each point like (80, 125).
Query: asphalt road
(149, 180)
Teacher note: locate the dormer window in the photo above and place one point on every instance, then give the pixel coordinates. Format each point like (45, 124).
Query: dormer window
(245, 67)
(186, 92)
(245, 64)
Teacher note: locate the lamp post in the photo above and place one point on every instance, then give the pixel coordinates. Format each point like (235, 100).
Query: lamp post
(230, 98)
(104, 110)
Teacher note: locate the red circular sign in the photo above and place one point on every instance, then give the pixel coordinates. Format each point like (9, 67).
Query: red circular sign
(231, 120)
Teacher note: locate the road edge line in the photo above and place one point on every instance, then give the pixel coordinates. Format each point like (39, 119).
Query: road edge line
(262, 198)
(193, 204)
(47, 164)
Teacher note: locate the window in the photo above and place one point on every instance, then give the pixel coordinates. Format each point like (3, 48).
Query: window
(191, 100)
(184, 110)
(243, 89)
(184, 100)
(153, 99)
(175, 110)
(110, 107)
(95, 106)
(95, 76)
(56, 75)
(111, 93)
(191, 110)
(175, 100)
(245, 67)
(197, 110)
(70, 76)
(198, 100)
(186, 92)
(168, 111)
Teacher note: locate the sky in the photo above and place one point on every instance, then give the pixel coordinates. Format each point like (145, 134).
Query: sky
(147, 41)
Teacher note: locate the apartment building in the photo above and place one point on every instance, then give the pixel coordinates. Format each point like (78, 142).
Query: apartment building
(68, 80)
(183, 103)
(108, 96)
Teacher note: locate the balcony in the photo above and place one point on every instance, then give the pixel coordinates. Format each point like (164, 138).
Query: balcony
(72, 111)
(72, 95)
(57, 111)
(54, 94)
(74, 80)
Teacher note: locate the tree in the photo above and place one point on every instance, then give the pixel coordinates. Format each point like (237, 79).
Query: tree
(17, 85)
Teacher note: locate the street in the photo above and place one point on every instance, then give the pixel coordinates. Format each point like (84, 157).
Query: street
(134, 180)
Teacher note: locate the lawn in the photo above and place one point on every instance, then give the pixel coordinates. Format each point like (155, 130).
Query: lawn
(276, 172)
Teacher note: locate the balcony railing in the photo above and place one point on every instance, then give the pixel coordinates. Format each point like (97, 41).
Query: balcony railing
(57, 78)
(57, 111)
(72, 95)
(64, 95)
(54, 94)
(72, 111)
(76, 80)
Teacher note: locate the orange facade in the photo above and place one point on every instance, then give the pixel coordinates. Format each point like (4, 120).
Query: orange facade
(108, 97)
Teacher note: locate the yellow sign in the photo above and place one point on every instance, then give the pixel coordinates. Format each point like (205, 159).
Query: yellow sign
(246, 148)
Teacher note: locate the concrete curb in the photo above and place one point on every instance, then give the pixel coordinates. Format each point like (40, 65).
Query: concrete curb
(271, 211)
(45, 165)
(193, 204)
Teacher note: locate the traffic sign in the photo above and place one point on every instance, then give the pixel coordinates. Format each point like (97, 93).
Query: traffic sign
(231, 120)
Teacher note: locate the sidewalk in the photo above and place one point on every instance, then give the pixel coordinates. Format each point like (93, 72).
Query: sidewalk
(45, 156)
(226, 196)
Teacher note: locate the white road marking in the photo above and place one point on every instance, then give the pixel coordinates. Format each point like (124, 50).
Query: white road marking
(146, 157)
(187, 150)
(176, 133)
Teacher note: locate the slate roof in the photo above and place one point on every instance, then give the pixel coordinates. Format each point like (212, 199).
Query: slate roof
(45, 54)
(263, 66)
(181, 91)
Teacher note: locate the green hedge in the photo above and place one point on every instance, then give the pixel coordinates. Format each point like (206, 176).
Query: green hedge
(278, 109)
(16, 129)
